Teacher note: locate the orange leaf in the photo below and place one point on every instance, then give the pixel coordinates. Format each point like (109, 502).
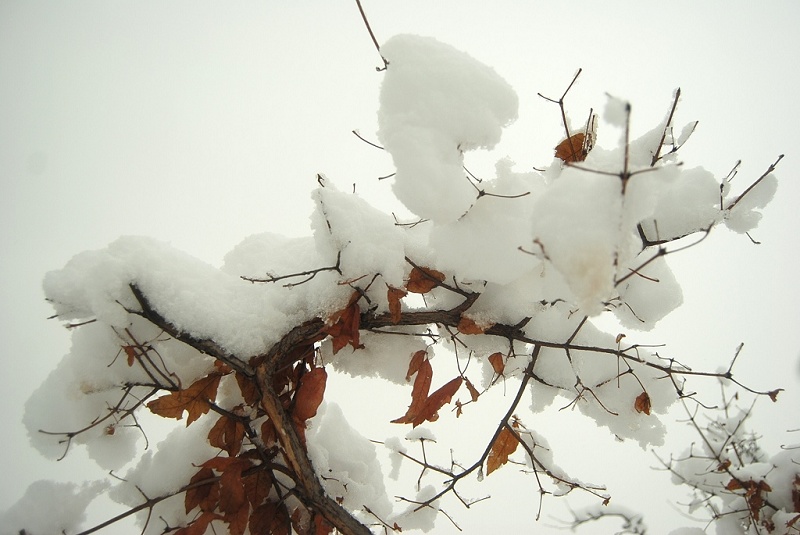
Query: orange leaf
(419, 393)
(642, 403)
(504, 445)
(131, 352)
(733, 484)
(496, 360)
(416, 361)
(394, 295)
(309, 394)
(473, 392)
(203, 496)
(322, 526)
(430, 411)
(195, 400)
(227, 434)
(572, 149)
(345, 324)
(467, 325)
(423, 280)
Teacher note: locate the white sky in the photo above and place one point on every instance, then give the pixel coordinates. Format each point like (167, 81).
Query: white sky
(200, 123)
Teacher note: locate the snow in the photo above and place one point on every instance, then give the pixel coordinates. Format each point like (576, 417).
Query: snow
(436, 103)
(545, 250)
(48, 507)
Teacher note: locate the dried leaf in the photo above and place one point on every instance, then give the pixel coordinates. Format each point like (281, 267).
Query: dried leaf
(309, 394)
(642, 403)
(419, 393)
(796, 493)
(203, 496)
(773, 394)
(195, 400)
(467, 325)
(227, 434)
(416, 361)
(233, 501)
(733, 484)
(248, 389)
(430, 411)
(724, 465)
(423, 280)
(394, 295)
(574, 153)
(199, 525)
(619, 338)
(130, 351)
(344, 325)
(496, 360)
(257, 487)
(270, 518)
(473, 392)
(504, 445)
(322, 526)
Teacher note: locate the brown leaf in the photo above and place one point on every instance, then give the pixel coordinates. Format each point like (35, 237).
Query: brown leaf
(724, 465)
(504, 445)
(423, 280)
(473, 392)
(796, 493)
(344, 325)
(773, 394)
(233, 501)
(257, 487)
(309, 394)
(642, 403)
(496, 360)
(195, 400)
(619, 338)
(322, 526)
(733, 484)
(203, 496)
(394, 295)
(248, 389)
(572, 148)
(130, 351)
(430, 411)
(416, 361)
(467, 325)
(227, 434)
(199, 525)
(419, 393)
(270, 518)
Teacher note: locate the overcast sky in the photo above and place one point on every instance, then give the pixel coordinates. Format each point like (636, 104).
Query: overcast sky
(200, 123)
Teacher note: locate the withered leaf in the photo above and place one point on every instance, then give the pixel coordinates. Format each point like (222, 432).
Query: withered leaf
(504, 445)
(394, 295)
(419, 393)
(248, 389)
(309, 394)
(199, 525)
(773, 394)
(496, 360)
(572, 149)
(416, 361)
(322, 526)
(642, 403)
(430, 411)
(203, 496)
(130, 351)
(423, 280)
(233, 501)
(257, 487)
(473, 392)
(796, 493)
(467, 325)
(227, 434)
(195, 400)
(270, 518)
(344, 325)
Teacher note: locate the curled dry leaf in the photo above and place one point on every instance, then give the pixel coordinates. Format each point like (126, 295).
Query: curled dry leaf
(504, 445)
(467, 325)
(642, 403)
(423, 280)
(572, 149)
(394, 295)
(343, 326)
(496, 360)
(195, 400)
